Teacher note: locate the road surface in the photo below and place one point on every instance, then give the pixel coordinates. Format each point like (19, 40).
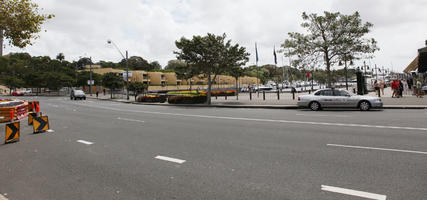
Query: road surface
(108, 150)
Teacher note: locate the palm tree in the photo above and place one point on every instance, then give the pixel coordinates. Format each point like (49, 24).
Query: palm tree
(60, 57)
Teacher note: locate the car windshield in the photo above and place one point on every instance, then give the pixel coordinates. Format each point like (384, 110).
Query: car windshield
(78, 92)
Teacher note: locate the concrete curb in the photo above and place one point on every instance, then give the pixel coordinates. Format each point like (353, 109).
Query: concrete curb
(251, 106)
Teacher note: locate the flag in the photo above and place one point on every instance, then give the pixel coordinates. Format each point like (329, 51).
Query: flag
(275, 56)
(256, 53)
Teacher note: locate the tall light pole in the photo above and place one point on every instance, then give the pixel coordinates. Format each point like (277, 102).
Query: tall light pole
(127, 66)
(90, 76)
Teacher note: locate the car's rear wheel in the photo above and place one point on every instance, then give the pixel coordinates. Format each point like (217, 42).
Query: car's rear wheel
(314, 106)
(364, 106)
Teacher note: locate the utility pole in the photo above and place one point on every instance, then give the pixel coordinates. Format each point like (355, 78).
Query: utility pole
(127, 66)
(90, 76)
(127, 76)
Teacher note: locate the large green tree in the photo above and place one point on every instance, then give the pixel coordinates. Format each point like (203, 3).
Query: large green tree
(330, 37)
(137, 88)
(12, 82)
(174, 64)
(112, 81)
(210, 55)
(20, 21)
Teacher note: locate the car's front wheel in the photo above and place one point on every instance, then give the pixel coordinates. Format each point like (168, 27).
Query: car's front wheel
(364, 106)
(314, 106)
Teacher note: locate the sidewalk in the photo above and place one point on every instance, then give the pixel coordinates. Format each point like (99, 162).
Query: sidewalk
(285, 102)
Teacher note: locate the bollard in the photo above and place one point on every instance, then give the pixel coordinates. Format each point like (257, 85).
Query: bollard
(37, 108)
(278, 95)
(293, 94)
(263, 95)
(250, 95)
(225, 96)
(11, 115)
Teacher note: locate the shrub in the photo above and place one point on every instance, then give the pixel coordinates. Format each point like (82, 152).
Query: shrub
(224, 93)
(187, 99)
(152, 98)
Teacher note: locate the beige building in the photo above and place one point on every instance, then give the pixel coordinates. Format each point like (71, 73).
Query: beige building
(169, 79)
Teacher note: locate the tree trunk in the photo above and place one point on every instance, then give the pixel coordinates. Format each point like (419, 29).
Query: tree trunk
(328, 69)
(1, 43)
(209, 88)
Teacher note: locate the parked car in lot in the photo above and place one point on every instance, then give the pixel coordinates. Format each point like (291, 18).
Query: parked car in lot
(334, 98)
(26, 91)
(77, 94)
(17, 93)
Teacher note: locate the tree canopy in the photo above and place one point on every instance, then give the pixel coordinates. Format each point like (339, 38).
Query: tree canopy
(20, 21)
(112, 81)
(210, 55)
(332, 37)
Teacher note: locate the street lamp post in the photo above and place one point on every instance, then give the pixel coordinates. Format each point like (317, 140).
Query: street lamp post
(127, 66)
(90, 76)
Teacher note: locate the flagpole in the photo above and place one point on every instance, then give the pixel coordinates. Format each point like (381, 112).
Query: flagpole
(275, 65)
(257, 69)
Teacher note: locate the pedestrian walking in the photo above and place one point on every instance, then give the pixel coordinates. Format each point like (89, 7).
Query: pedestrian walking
(405, 87)
(377, 87)
(382, 86)
(103, 91)
(395, 87)
(400, 88)
(97, 93)
(419, 91)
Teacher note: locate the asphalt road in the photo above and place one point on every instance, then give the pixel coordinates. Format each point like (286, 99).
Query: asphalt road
(107, 150)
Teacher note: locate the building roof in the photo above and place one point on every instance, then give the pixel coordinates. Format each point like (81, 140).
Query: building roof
(412, 66)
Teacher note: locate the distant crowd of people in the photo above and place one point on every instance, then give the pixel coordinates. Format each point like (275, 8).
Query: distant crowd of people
(403, 87)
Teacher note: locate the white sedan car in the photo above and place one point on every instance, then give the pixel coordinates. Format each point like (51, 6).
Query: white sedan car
(334, 98)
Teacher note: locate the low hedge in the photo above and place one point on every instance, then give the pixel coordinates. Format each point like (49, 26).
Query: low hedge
(224, 93)
(213, 92)
(152, 98)
(188, 99)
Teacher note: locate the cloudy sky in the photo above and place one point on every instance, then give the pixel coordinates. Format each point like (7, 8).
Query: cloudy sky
(149, 28)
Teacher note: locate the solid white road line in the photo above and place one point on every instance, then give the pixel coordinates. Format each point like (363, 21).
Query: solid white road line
(131, 120)
(322, 115)
(85, 142)
(354, 193)
(375, 148)
(2, 197)
(175, 160)
(264, 120)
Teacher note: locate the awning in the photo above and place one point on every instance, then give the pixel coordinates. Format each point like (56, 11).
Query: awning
(413, 66)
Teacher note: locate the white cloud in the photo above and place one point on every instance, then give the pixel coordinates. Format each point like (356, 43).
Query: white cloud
(149, 28)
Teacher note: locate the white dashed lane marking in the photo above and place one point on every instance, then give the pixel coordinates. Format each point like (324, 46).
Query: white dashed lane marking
(85, 142)
(131, 120)
(376, 148)
(356, 193)
(175, 160)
